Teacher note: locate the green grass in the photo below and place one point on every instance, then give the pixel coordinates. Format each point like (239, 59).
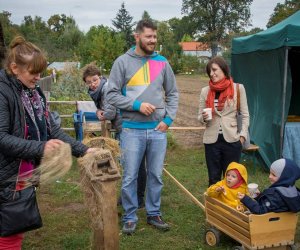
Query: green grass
(66, 220)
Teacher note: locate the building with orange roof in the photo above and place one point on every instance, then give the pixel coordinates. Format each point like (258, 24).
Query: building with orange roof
(199, 49)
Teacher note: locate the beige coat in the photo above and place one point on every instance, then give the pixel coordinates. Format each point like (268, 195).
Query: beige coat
(226, 118)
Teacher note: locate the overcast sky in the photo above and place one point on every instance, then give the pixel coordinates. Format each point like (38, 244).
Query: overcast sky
(96, 12)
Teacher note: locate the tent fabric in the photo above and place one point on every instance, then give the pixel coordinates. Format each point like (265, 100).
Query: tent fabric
(258, 61)
(285, 33)
(294, 58)
(262, 72)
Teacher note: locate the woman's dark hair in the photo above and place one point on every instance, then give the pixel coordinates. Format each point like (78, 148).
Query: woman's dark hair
(90, 70)
(26, 55)
(220, 61)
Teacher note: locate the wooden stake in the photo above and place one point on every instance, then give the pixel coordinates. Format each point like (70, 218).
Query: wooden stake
(194, 199)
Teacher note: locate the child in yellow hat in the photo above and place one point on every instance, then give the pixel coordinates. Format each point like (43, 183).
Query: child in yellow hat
(234, 182)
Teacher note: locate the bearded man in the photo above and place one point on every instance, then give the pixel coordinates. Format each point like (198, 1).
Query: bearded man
(143, 86)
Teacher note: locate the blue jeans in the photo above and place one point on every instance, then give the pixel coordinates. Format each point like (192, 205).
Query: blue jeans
(141, 182)
(135, 143)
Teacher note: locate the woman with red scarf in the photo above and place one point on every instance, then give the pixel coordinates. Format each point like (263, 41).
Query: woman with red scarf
(222, 141)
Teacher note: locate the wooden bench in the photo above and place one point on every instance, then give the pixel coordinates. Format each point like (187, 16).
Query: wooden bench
(249, 154)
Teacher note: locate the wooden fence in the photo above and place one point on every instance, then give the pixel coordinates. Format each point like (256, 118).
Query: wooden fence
(64, 116)
(74, 103)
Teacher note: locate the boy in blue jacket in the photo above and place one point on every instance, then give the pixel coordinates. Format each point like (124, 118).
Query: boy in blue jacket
(282, 195)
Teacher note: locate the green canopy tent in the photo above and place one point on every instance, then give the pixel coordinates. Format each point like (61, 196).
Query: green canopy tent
(267, 63)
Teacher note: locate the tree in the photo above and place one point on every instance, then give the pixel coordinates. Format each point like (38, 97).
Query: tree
(190, 64)
(146, 16)
(215, 18)
(101, 44)
(35, 30)
(9, 30)
(71, 35)
(182, 27)
(227, 42)
(64, 37)
(187, 38)
(282, 11)
(58, 22)
(123, 24)
(170, 47)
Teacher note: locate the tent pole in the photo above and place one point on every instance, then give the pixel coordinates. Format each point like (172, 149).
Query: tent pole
(283, 98)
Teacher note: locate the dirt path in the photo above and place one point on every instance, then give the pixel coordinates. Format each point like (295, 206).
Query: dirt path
(189, 90)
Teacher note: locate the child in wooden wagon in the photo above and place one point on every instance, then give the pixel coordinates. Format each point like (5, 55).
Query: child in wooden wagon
(282, 195)
(234, 182)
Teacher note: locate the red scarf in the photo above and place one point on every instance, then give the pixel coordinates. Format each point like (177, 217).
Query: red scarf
(225, 86)
(240, 178)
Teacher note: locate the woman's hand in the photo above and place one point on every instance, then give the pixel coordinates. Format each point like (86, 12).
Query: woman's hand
(91, 150)
(205, 116)
(51, 145)
(242, 139)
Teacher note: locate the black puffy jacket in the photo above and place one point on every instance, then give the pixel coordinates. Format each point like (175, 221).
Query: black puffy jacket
(13, 146)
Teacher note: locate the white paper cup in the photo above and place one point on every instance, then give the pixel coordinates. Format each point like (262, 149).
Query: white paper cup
(253, 187)
(209, 112)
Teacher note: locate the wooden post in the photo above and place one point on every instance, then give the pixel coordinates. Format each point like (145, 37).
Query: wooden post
(106, 175)
(99, 176)
(107, 237)
(105, 128)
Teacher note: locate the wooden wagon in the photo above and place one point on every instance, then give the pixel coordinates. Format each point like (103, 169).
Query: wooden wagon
(274, 231)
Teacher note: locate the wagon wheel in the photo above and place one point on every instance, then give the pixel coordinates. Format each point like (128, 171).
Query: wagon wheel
(291, 247)
(212, 237)
(238, 248)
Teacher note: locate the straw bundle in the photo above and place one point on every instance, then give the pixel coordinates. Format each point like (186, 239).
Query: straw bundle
(93, 196)
(55, 164)
(105, 143)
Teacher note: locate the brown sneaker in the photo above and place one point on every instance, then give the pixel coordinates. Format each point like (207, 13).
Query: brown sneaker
(157, 222)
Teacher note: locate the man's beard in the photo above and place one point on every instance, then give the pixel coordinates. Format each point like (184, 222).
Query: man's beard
(145, 49)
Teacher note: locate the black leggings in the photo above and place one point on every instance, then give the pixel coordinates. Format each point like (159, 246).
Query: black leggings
(219, 155)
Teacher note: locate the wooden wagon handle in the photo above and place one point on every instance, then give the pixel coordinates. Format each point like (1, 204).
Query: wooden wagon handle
(194, 199)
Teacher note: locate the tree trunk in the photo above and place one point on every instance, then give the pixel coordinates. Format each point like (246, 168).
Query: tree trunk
(214, 49)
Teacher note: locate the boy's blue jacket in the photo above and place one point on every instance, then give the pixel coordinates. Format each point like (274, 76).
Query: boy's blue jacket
(281, 196)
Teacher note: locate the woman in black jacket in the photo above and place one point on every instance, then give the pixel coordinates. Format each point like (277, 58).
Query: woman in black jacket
(27, 130)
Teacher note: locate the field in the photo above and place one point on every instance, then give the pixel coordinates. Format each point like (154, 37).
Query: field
(189, 87)
(66, 218)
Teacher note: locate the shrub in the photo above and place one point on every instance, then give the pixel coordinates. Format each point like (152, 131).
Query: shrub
(69, 86)
(172, 144)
